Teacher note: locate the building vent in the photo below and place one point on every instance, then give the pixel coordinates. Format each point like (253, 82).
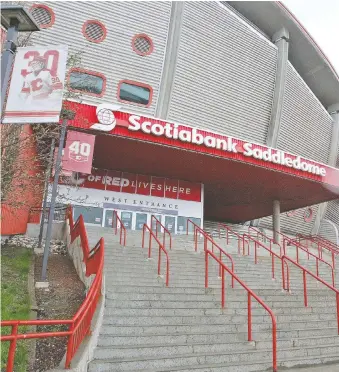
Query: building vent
(43, 15)
(94, 31)
(142, 44)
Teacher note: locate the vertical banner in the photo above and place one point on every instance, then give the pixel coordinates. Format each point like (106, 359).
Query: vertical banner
(63, 172)
(36, 89)
(78, 152)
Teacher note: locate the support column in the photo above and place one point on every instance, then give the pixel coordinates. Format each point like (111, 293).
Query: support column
(332, 161)
(334, 112)
(281, 40)
(276, 221)
(170, 62)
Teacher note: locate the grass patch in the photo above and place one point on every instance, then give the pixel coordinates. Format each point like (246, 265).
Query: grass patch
(15, 301)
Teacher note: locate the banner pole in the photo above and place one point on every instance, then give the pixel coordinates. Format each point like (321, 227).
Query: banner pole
(8, 56)
(53, 198)
(48, 174)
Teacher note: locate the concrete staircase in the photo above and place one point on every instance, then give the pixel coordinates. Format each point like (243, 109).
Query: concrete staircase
(150, 327)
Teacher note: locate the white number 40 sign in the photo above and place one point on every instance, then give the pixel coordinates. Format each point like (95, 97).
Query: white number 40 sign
(79, 151)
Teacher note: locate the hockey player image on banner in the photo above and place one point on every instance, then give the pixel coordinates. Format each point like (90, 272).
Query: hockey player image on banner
(37, 84)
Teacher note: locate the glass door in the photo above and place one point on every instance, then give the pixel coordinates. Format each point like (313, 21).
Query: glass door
(108, 218)
(158, 217)
(126, 219)
(140, 220)
(170, 224)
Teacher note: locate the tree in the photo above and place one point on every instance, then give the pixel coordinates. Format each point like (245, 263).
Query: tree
(22, 181)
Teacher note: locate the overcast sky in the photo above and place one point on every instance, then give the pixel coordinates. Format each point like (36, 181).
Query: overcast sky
(321, 20)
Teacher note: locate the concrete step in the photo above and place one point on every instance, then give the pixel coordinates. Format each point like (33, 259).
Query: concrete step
(139, 363)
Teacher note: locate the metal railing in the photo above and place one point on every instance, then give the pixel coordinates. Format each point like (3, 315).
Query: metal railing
(207, 238)
(250, 294)
(309, 254)
(320, 245)
(259, 233)
(228, 231)
(286, 286)
(80, 324)
(157, 222)
(161, 248)
(122, 226)
(261, 245)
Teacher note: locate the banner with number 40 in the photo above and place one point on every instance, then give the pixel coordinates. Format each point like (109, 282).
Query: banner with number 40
(78, 154)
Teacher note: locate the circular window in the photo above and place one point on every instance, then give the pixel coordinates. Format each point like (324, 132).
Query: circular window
(43, 15)
(94, 31)
(308, 215)
(142, 44)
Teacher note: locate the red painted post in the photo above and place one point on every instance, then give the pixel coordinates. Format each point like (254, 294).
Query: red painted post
(150, 245)
(220, 258)
(283, 273)
(255, 252)
(273, 271)
(69, 353)
(167, 272)
(222, 287)
(317, 263)
(305, 289)
(206, 269)
(12, 347)
(143, 236)
(159, 261)
(249, 314)
(297, 248)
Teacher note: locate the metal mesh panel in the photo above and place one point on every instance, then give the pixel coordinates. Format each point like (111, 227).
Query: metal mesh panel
(94, 31)
(41, 16)
(142, 44)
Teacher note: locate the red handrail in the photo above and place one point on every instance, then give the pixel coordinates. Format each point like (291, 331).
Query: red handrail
(79, 325)
(249, 298)
(157, 222)
(122, 227)
(305, 271)
(260, 244)
(317, 259)
(161, 248)
(228, 229)
(271, 240)
(321, 244)
(214, 244)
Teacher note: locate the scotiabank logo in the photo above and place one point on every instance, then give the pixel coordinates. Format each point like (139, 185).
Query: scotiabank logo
(106, 118)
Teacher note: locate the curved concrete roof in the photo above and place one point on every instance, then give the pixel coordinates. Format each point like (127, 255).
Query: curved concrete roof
(304, 53)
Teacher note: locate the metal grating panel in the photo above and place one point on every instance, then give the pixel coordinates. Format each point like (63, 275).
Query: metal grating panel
(225, 73)
(41, 16)
(142, 44)
(114, 57)
(94, 31)
(306, 127)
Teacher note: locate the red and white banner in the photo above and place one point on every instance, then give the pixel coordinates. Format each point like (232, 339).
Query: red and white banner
(35, 94)
(106, 118)
(78, 152)
(137, 184)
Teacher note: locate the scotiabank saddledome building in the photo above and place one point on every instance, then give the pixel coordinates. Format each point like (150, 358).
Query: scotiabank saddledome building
(216, 111)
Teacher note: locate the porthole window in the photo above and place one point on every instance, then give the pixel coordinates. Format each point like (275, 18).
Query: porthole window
(134, 92)
(94, 31)
(88, 82)
(43, 15)
(142, 44)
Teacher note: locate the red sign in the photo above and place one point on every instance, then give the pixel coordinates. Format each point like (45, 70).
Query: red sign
(183, 136)
(101, 179)
(78, 153)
